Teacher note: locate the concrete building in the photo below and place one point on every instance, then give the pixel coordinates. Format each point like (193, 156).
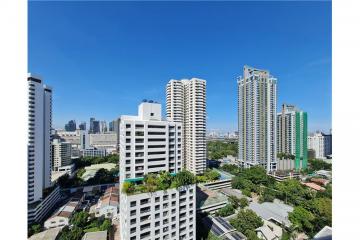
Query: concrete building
(93, 152)
(321, 143)
(292, 134)
(70, 126)
(99, 235)
(257, 96)
(39, 145)
(50, 234)
(63, 215)
(149, 144)
(106, 141)
(108, 204)
(186, 104)
(94, 126)
(61, 154)
(103, 127)
(40, 196)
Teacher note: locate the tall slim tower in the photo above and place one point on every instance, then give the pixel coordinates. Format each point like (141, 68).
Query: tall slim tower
(257, 118)
(186, 103)
(292, 134)
(39, 138)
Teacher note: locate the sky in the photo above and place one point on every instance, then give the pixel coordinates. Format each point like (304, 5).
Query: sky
(103, 58)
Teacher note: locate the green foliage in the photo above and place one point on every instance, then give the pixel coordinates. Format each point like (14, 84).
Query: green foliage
(34, 228)
(303, 219)
(212, 175)
(80, 172)
(80, 219)
(219, 149)
(251, 235)
(225, 211)
(161, 181)
(285, 156)
(244, 202)
(246, 192)
(246, 220)
(234, 201)
(106, 225)
(74, 234)
(128, 187)
(291, 191)
(183, 178)
(231, 168)
(325, 194)
(316, 164)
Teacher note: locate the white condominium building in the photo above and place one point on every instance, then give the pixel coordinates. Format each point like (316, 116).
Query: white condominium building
(169, 214)
(257, 118)
(186, 104)
(149, 144)
(39, 143)
(61, 154)
(321, 143)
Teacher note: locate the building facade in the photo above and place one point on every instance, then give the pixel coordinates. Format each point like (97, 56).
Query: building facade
(82, 126)
(149, 144)
(70, 126)
(39, 139)
(321, 143)
(186, 104)
(106, 141)
(257, 118)
(61, 154)
(292, 134)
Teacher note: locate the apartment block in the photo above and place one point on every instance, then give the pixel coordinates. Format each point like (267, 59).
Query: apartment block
(186, 104)
(257, 118)
(61, 154)
(292, 134)
(159, 215)
(149, 144)
(321, 143)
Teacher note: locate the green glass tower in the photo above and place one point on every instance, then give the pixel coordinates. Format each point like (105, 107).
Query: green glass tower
(292, 135)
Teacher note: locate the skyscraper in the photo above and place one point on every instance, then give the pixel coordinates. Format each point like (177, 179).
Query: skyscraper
(94, 126)
(70, 126)
(257, 118)
(82, 126)
(103, 127)
(186, 104)
(39, 144)
(292, 134)
(39, 150)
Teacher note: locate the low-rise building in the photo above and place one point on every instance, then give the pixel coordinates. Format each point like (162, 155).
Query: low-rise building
(62, 216)
(221, 228)
(108, 204)
(49, 234)
(314, 186)
(93, 152)
(100, 235)
(269, 231)
(324, 234)
(107, 141)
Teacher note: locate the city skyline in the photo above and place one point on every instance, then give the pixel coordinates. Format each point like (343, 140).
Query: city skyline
(134, 57)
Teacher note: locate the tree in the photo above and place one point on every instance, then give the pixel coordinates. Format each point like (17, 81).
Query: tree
(226, 211)
(75, 233)
(80, 219)
(303, 219)
(244, 202)
(251, 235)
(151, 182)
(34, 228)
(246, 219)
(106, 225)
(128, 187)
(212, 175)
(183, 178)
(234, 201)
(164, 179)
(316, 164)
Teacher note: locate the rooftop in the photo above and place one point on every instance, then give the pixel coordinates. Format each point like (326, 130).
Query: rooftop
(110, 198)
(100, 235)
(324, 234)
(314, 186)
(67, 210)
(50, 234)
(207, 197)
(276, 211)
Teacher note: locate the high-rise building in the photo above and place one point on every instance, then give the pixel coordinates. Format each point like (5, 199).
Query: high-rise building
(257, 118)
(82, 126)
(321, 143)
(70, 126)
(103, 127)
(61, 154)
(149, 144)
(39, 149)
(94, 126)
(292, 134)
(186, 104)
